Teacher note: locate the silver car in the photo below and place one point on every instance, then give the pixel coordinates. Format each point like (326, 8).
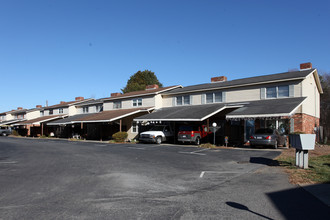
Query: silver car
(4, 131)
(268, 137)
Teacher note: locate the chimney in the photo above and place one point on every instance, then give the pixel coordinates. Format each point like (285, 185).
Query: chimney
(150, 87)
(218, 79)
(19, 108)
(38, 106)
(305, 66)
(62, 102)
(79, 98)
(115, 94)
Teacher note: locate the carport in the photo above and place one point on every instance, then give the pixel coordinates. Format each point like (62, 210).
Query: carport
(236, 120)
(35, 127)
(190, 114)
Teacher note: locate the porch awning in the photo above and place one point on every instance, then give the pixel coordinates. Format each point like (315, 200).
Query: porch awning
(186, 113)
(68, 120)
(10, 122)
(270, 108)
(42, 119)
(112, 115)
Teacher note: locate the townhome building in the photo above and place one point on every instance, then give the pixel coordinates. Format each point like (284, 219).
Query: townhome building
(36, 118)
(289, 101)
(100, 119)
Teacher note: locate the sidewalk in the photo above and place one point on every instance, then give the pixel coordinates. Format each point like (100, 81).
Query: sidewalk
(320, 191)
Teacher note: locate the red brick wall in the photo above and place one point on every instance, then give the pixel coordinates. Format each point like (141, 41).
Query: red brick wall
(305, 123)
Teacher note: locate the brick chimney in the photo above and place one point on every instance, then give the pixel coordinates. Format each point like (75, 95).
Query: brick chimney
(79, 98)
(115, 94)
(150, 87)
(218, 79)
(38, 106)
(19, 108)
(62, 102)
(305, 66)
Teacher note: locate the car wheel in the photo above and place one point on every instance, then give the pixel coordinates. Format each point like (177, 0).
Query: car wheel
(4, 134)
(275, 145)
(158, 140)
(198, 141)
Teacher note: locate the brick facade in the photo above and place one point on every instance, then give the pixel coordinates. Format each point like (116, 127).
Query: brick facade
(305, 123)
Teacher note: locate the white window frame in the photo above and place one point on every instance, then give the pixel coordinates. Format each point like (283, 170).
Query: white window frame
(117, 105)
(60, 111)
(137, 102)
(42, 113)
(277, 92)
(182, 100)
(85, 109)
(135, 127)
(98, 108)
(50, 112)
(213, 97)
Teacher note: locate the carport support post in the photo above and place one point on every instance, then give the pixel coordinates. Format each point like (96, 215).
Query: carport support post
(42, 129)
(120, 125)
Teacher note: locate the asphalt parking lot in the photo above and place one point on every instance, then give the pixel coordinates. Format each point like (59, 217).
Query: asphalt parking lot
(58, 179)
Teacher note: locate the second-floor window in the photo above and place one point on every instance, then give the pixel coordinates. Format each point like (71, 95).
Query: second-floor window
(117, 105)
(137, 102)
(99, 108)
(214, 97)
(85, 109)
(183, 100)
(277, 92)
(50, 111)
(42, 113)
(60, 110)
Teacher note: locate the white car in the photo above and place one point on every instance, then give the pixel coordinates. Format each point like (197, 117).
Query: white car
(157, 134)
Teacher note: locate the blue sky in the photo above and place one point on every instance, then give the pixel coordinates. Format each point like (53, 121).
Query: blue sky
(56, 50)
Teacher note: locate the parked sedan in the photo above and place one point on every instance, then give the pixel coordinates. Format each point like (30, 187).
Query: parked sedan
(268, 137)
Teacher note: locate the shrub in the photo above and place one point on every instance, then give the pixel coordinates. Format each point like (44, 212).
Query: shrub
(15, 133)
(43, 136)
(120, 136)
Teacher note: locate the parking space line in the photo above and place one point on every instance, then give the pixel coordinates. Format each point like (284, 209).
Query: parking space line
(197, 152)
(8, 162)
(137, 148)
(220, 172)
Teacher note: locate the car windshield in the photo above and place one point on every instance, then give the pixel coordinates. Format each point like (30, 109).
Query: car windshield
(186, 128)
(264, 131)
(157, 128)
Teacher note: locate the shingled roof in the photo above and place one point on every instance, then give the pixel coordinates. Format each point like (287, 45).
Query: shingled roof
(296, 75)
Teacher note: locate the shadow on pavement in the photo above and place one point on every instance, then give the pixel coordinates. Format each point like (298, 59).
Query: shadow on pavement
(264, 161)
(243, 207)
(296, 203)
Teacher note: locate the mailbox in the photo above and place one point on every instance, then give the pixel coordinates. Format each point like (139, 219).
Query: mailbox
(302, 141)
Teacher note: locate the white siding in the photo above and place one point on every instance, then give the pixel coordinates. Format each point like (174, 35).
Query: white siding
(311, 105)
(32, 115)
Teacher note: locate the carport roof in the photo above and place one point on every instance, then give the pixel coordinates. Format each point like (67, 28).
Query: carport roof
(284, 107)
(112, 115)
(42, 119)
(186, 113)
(9, 122)
(251, 109)
(68, 120)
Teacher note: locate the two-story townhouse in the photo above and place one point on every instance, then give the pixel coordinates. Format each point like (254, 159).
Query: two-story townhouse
(102, 118)
(289, 101)
(39, 116)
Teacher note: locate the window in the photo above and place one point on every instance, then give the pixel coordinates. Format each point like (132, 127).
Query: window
(85, 109)
(60, 110)
(283, 91)
(183, 100)
(99, 108)
(213, 97)
(117, 105)
(277, 92)
(135, 127)
(42, 113)
(137, 102)
(50, 111)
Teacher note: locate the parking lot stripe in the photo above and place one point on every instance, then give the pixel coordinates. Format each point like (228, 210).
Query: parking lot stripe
(137, 148)
(7, 162)
(202, 174)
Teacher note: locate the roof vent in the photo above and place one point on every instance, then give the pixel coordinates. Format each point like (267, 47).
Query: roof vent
(218, 79)
(115, 94)
(19, 108)
(62, 102)
(79, 98)
(38, 106)
(305, 66)
(150, 87)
